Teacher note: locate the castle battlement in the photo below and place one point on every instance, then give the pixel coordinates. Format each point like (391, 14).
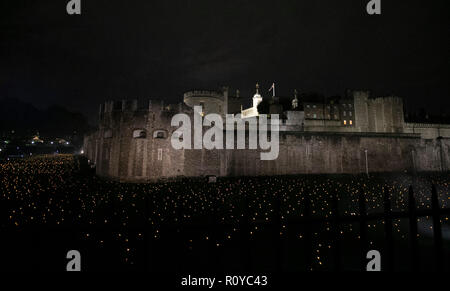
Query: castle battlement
(203, 93)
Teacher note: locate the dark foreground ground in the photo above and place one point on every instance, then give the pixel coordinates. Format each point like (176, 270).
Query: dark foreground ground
(50, 205)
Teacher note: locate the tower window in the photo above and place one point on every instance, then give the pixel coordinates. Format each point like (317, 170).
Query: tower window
(159, 134)
(139, 133)
(107, 133)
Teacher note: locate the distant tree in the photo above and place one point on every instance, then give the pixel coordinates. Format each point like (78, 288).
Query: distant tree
(26, 120)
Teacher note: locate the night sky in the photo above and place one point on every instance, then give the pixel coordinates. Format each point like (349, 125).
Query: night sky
(158, 50)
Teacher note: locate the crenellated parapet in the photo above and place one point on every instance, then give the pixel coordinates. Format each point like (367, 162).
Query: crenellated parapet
(203, 94)
(112, 108)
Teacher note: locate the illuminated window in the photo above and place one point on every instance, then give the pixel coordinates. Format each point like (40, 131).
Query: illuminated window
(315, 115)
(351, 122)
(345, 122)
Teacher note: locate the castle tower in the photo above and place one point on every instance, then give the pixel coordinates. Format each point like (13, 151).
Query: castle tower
(257, 98)
(253, 111)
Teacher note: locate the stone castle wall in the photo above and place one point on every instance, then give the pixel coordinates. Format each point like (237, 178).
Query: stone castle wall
(308, 153)
(119, 152)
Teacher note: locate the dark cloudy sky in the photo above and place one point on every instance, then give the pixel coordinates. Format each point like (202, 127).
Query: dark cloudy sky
(146, 49)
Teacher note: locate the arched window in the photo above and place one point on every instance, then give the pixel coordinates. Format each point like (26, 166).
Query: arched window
(107, 133)
(162, 134)
(139, 133)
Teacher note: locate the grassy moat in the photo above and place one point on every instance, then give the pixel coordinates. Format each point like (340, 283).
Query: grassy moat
(52, 204)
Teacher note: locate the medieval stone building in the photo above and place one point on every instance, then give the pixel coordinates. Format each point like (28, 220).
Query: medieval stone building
(354, 134)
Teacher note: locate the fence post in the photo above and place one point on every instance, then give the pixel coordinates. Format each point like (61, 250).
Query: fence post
(245, 235)
(337, 240)
(147, 238)
(413, 229)
(388, 230)
(276, 232)
(215, 233)
(308, 232)
(363, 229)
(437, 230)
